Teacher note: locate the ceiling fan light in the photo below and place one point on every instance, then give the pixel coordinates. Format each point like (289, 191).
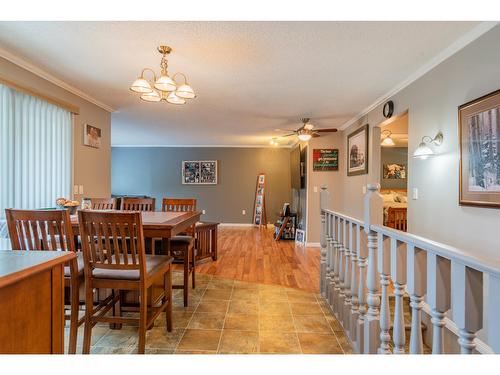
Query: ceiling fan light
(152, 96)
(423, 151)
(305, 137)
(185, 91)
(174, 99)
(165, 83)
(140, 85)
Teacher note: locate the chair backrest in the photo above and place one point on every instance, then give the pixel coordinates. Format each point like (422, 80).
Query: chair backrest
(40, 229)
(112, 240)
(138, 204)
(396, 218)
(178, 205)
(103, 203)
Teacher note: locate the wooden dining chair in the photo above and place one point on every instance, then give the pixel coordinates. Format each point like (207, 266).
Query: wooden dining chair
(103, 203)
(182, 246)
(138, 204)
(122, 266)
(50, 230)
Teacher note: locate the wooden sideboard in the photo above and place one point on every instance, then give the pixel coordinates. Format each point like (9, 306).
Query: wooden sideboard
(32, 301)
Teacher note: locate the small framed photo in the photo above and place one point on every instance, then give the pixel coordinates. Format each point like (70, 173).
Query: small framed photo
(479, 130)
(91, 136)
(357, 151)
(300, 237)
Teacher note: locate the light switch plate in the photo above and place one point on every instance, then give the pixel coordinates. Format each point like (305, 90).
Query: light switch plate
(203, 212)
(243, 212)
(364, 189)
(315, 189)
(80, 189)
(75, 189)
(414, 193)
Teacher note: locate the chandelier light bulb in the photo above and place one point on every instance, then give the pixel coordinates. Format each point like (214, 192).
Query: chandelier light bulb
(141, 85)
(174, 99)
(152, 96)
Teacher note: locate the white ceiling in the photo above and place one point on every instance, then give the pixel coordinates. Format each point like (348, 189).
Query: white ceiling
(251, 77)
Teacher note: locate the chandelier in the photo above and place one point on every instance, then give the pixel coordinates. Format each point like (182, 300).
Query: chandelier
(163, 88)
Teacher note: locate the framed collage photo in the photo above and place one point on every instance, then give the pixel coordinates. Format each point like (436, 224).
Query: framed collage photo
(196, 172)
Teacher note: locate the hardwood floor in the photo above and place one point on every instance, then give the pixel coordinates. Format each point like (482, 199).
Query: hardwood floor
(251, 254)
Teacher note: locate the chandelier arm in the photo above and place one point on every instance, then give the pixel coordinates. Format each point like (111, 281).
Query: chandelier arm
(148, 70)
(180, 74)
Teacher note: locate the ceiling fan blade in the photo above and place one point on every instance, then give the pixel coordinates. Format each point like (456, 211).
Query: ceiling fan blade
(287, 135)
(332, 130)
(315, 135)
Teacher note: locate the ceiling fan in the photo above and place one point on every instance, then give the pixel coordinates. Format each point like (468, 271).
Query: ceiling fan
(307, 131)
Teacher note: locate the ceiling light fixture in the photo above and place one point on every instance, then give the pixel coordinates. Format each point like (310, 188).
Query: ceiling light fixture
(387, 141)
(274, 142)
(163, 88)
(423, 150)
(304, 134)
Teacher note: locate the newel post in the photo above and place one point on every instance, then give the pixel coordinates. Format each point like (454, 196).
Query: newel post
(373, 206)
(324, 198)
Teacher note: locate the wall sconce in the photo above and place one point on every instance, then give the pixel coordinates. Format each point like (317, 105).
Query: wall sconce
(387, 141)
(423, 150)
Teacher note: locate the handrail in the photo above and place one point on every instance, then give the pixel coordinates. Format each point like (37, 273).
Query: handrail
(348, 218)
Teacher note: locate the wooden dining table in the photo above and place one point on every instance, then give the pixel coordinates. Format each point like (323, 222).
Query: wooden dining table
(159, 224)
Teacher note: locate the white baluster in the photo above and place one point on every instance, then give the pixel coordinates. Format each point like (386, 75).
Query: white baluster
(438, 297)
(362, 265)
(493, 329)
(355, 234)
(373, 215)
(328, 238)
(324, 235)
(467, 299)
(333, 266)
(384, 269)
(331, 263)
(347, 278)
(336, 262)
(341, 265)
(398, 273)
(416, 287)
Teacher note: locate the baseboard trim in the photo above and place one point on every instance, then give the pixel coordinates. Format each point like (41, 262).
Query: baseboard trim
(236, 225)
(481, 346)
(313, 244)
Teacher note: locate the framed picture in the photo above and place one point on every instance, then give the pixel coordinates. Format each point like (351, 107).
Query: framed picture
(394, 171)
(300, 237)
(479, 132)
(91, 136)
(357, 151)
(196, 172)
(325, 159)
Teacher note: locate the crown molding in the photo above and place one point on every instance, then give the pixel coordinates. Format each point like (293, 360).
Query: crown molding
(453, 48)
(7, 55)
(201, 146)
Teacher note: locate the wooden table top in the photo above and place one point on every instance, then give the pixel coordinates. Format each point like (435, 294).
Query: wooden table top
(17, 265)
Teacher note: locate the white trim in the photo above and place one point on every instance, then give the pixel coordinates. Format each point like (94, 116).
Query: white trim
(236, 225)
(313, 244)
(453, 48)
(49, 77)
(215, 146)
(481, 346)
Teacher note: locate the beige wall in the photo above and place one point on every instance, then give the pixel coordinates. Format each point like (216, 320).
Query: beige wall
(333, 180)
(432, 102)
(91, 167)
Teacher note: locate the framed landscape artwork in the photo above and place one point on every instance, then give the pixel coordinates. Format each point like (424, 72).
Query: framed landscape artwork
(325, 159)
(196, 172)
(479, 131)
(357, 152)
(91, 136)
(394, 171)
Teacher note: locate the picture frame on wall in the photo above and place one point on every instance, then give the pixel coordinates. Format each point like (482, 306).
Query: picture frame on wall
(91, 136)
(199, 172)
(325, 159)
(357, 151)
(479, 140)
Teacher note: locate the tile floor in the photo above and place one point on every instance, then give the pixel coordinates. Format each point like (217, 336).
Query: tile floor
(228, 316)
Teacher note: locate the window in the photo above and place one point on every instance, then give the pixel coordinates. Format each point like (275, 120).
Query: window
(35, 152)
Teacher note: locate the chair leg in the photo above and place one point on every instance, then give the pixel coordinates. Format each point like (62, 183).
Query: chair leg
(75, 301)
(186, 277)
(194, 267)
(117, 309)
(143, 313)
(89, 311)
(168, 294)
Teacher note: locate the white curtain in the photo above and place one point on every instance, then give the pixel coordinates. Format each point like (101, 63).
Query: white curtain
(35, 152)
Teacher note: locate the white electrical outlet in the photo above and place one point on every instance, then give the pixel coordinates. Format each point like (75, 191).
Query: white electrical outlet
(203, 212)
(414, 193)
(315, 189)
(364, 189)
(80, 189)
(243, 212)
(75, 189)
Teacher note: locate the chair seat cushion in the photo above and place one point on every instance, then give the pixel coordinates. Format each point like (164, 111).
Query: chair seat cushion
(153, 262)
(79, 262)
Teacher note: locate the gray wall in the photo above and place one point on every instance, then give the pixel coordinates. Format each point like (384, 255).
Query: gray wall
(156, 171)
(391, 155)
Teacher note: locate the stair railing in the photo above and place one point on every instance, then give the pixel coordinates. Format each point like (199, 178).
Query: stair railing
(362, 260)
